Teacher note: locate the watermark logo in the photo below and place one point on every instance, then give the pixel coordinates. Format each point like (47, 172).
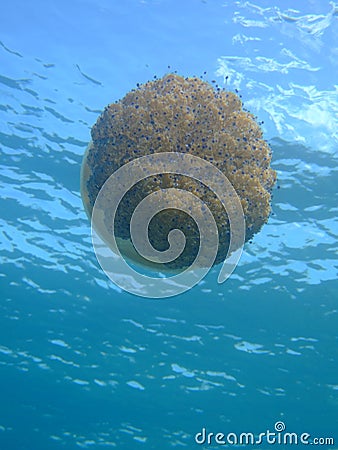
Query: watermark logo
(279, 436)
(112, 259)
(279, 426)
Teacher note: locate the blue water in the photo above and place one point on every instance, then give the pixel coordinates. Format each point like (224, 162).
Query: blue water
(84, 365)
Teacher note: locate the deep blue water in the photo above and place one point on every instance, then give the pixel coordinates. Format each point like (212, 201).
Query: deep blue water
(84, 365)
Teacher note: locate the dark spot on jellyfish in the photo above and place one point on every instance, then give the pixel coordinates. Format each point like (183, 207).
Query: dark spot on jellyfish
(169, 114)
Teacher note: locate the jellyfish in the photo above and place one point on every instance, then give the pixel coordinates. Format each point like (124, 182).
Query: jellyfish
(190, 116)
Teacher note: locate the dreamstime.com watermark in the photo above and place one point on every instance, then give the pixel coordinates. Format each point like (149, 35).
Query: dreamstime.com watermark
(279, 436)
(112, 260)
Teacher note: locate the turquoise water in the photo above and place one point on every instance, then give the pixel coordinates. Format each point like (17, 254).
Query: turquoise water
(85, 365)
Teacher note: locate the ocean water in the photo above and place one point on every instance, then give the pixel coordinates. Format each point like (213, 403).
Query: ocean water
(85, 365)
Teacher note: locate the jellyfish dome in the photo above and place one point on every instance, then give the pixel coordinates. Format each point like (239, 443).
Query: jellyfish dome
(189, 116)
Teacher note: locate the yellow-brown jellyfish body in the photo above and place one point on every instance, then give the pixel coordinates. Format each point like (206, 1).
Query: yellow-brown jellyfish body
(186, 115)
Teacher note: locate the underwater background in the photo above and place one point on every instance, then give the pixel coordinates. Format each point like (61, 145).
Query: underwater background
(85, 365)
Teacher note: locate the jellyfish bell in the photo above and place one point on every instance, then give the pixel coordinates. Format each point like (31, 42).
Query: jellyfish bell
(101, 233)
(176, 116)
